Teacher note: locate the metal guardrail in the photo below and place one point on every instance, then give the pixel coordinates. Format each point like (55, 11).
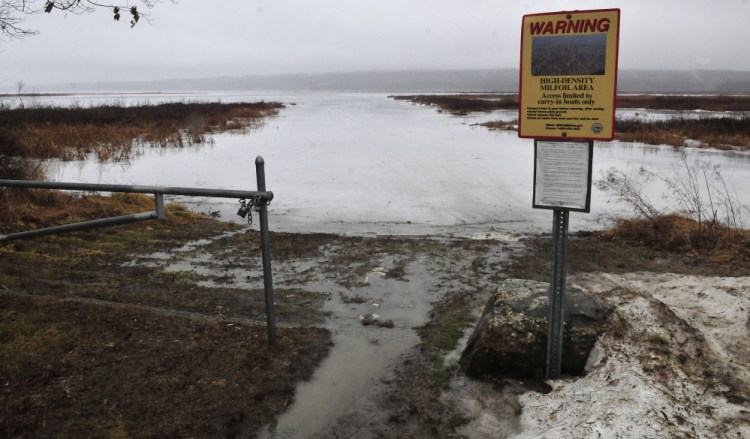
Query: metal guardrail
(259, 199)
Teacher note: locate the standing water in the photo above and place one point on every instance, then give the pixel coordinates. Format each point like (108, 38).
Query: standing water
(362, 163)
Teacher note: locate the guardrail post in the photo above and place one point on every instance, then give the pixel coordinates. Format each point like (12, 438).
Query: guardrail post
(265, 248)
(160, 211)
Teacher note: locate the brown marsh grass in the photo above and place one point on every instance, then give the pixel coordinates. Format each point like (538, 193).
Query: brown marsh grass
(723, 133)
(109, 133)
(685, 102)
(710, 242)
(114, 132)
(499, 125)
(461, 104)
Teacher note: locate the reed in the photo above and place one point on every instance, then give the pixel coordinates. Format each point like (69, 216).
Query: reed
(704, 214)
(685, 102)
(464, 104)
(723, 133)
(511, 125)
(114, 133)
(483, 102)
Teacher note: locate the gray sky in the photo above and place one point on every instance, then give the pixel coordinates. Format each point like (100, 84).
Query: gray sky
(197, 38)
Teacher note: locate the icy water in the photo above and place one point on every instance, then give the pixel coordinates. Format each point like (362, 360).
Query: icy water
(362, 163)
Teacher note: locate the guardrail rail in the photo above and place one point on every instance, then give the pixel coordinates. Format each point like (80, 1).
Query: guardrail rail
(259, 199)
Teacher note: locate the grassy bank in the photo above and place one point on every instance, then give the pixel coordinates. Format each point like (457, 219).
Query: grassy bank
(73, 369)
(667, 245)
(113, 132)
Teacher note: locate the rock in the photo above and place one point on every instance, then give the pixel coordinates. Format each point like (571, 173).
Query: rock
(510, 339)
(374, 319)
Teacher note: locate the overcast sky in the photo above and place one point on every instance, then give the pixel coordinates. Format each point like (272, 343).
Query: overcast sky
(197, 38)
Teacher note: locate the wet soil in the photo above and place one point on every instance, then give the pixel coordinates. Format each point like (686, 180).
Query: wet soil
(94, 344)
(123, 331)
(382, 298)
(158, 330)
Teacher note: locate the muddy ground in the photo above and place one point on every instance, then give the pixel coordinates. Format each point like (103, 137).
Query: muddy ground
(158, 330)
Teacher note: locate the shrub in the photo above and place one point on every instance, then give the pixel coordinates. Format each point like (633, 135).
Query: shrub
(702, 213)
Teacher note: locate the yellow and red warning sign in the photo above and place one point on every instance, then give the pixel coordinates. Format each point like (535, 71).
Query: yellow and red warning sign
(569, 75)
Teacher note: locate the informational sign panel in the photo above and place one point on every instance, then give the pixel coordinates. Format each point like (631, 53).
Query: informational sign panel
(569, 75)
(562, 175)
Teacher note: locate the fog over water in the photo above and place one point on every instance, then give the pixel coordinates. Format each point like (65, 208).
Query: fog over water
(362, 163)
(191, 39)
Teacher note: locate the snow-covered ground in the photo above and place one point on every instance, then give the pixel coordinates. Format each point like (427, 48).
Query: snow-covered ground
(677, 364)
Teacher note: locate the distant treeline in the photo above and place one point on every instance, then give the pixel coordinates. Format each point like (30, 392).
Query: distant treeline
(420, 81)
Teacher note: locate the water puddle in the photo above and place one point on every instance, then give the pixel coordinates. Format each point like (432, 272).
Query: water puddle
(362, 357)
(372, 325)
(371, 302)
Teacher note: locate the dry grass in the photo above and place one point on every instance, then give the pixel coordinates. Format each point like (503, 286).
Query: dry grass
(500, 125)
(710, 242)
(114, 133)
(465, 103)
(39, 208)
(721, 133)
(685, 102)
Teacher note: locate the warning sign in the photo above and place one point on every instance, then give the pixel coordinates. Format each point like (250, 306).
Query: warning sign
(569, 75)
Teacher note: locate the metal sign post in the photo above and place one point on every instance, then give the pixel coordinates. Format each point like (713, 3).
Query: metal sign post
(557, 294)
(562, 182)
(566, 100)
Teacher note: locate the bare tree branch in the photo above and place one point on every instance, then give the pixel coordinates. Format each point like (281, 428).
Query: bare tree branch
(14, 12)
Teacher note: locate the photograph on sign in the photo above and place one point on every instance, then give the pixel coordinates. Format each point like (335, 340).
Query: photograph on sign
(569, 75)
(562, 175)
(569, 55)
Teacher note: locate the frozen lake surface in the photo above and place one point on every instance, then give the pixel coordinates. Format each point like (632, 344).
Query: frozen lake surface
(362, 163)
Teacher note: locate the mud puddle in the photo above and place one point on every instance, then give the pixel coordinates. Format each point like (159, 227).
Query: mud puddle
(372, 328)
(375, 292)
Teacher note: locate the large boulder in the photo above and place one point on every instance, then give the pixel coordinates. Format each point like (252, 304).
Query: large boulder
(510, 339)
